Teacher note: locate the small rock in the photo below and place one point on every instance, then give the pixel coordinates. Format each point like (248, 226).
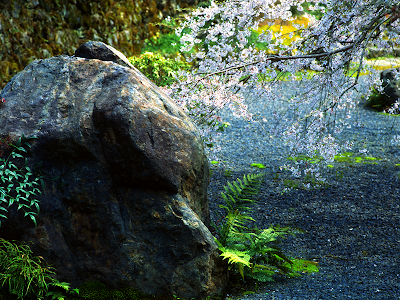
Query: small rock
(391, 87)
(101, 51)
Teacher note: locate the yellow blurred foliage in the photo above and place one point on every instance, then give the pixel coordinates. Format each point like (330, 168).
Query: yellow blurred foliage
(281, 28)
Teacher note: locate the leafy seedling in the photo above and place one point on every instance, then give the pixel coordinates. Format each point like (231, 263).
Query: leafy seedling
(228, 173)
(221, 126)
(260, 166)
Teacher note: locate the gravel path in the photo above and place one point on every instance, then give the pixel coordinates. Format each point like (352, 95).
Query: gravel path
(352, 226)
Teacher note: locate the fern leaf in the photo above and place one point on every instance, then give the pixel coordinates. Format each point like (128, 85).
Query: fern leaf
(288, 230)
(241, 269)
(261, 272)
(232, 201)
(236, 257)
(63, 285)
(238, 193)
(238, 189)
(255, 253)
(225, 198)
(280, 256)
(233, 190)
(304, 266)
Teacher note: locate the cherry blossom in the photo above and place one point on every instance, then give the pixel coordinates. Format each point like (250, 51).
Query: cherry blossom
(334, 47)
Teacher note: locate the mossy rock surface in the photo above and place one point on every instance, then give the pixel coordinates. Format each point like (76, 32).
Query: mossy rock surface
(39, 29)
(95, 290)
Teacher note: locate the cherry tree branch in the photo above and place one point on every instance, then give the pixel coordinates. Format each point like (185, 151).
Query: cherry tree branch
(367, 31)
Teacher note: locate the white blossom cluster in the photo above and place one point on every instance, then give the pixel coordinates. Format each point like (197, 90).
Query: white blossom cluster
(227, 64)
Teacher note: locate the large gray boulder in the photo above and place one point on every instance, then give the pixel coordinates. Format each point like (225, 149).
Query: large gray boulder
(127, 203)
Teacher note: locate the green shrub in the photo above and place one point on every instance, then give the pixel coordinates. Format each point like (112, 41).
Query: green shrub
(26, 277)
(165, 44)
(157, 68)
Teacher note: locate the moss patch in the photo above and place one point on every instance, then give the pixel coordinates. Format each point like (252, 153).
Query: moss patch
(346, 157)
(95, 290)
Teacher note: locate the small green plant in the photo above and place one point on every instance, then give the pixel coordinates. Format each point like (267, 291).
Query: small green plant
(260, 166)
(376, 100)
(94, 290)
(292, 183)
(221, 126)
(309, 181)
(228, 173)
(339, 175)
(61, 291)
(25, 276)
(157, 68)
(253, 252)
(348, 157)
(18, 184)
(276, 176)
(312, 160)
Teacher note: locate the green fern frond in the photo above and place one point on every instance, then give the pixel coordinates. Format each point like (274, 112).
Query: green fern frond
(268, 235)
(63, 285)
(233, 223)
(236, 257)
(304, 266)
(287, 230)
(254, 253)
(261, 273)
(238, 194)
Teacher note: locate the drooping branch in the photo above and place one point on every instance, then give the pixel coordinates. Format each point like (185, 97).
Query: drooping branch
(365, 36)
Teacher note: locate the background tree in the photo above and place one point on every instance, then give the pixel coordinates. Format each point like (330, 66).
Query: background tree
(326, 60)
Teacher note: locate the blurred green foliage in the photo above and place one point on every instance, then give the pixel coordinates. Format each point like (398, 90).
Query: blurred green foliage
(165, 44)
(157, 68)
